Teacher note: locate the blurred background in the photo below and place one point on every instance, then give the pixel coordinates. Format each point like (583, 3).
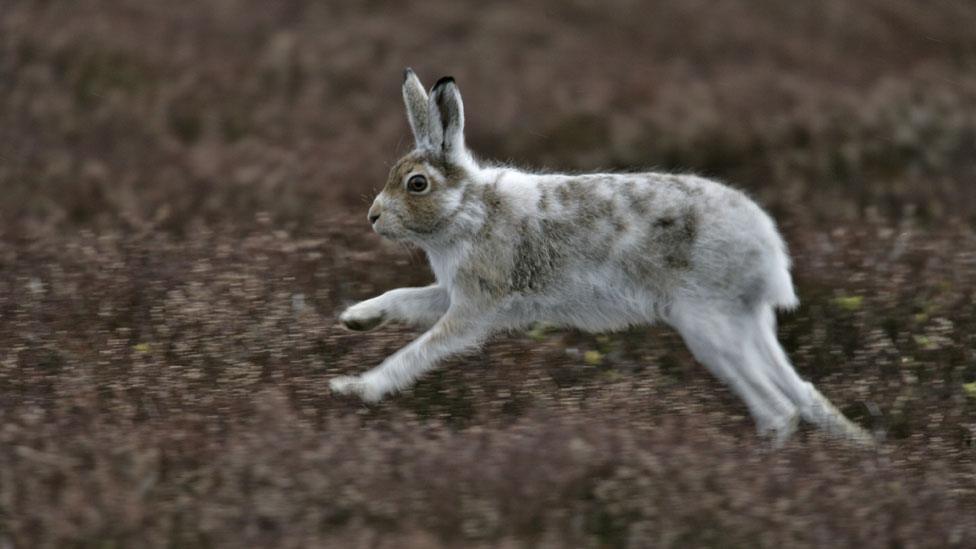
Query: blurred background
(183, 214)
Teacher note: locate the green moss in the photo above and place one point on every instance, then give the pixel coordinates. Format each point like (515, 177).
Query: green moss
(849, 303)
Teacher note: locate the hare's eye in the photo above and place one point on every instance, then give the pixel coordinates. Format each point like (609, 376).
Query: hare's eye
(417, 184)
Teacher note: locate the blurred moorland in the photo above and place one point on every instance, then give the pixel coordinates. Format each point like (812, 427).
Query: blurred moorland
(184, 193)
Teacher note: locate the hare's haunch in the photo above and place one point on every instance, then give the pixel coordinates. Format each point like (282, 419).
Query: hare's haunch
(596, 251)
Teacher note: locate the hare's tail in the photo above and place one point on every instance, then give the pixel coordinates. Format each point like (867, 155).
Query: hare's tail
(779, 284)
(780, 289)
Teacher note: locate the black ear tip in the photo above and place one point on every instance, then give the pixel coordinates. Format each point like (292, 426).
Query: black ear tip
(406, 73)
(444, 81)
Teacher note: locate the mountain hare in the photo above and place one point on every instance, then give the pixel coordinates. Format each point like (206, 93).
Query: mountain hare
(597, 252)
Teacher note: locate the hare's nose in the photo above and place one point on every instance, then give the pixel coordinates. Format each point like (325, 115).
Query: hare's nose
(374, 211)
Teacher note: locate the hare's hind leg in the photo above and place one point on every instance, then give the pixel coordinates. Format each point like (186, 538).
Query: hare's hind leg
(720, 341)
(813, 406)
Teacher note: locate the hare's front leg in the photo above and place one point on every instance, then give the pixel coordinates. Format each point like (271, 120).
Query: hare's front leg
(419, 307)
(453, 333)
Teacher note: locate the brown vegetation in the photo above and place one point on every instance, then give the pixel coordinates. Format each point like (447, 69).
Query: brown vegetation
(185, 186)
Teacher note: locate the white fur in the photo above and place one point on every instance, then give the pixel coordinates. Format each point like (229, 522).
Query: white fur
(727, 272)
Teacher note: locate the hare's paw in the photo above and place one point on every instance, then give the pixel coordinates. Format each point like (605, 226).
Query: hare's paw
(779, 431)
(359, 386)
(346, 385)
(362, 317)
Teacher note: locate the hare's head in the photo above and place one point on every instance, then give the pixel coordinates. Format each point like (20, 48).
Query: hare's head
(424, 191)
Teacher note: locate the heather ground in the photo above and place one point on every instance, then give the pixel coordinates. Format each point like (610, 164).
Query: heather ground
(183, 214)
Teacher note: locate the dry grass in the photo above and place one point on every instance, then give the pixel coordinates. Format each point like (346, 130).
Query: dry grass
(185, 185)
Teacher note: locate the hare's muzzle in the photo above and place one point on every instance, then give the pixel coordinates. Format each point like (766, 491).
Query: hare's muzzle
(374, 213)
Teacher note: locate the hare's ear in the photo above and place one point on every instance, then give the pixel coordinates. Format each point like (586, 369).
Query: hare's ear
(447, 115)
(418, 111)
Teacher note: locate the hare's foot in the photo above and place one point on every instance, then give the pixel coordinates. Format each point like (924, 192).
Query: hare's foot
(360, 386)
(362, 316)
(780, 431)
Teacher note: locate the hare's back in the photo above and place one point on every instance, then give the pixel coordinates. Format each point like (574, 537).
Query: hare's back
(659, 234)
(703, 238)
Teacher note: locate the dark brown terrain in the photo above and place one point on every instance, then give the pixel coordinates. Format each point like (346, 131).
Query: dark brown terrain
(183, 215)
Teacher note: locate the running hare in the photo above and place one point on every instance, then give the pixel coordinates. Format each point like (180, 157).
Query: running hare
(597, 252)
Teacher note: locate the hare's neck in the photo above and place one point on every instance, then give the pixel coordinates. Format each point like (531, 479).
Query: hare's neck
(495, 201)
(509, 196)
(446, 260)
(479, 204)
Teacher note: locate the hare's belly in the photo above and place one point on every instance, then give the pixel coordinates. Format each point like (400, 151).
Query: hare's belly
(590, 305)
